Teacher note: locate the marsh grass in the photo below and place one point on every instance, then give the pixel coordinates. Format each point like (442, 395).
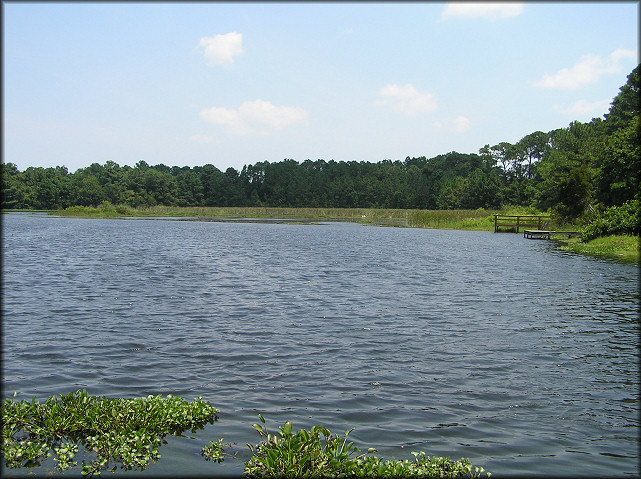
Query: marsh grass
(267, 212)
(479, 219)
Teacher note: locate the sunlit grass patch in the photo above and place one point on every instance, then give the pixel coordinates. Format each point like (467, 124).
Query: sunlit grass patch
(620, 247)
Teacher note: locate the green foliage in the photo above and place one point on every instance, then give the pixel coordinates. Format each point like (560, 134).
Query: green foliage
(126, 431)
(214, 451)
(566, 171)
(317, 453)
(615, 220)
(627, 104)
(13, 190)
(104, 210)
(618, 166)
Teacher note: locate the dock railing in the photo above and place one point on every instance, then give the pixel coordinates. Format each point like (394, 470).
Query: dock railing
(521, 221)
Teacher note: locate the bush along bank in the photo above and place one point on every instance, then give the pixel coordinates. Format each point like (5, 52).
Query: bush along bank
(615, 220)
(610, 233)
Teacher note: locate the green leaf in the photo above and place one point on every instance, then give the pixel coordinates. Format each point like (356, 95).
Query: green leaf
(287, 428)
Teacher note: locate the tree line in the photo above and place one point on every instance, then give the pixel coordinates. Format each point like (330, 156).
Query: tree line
(569, 171)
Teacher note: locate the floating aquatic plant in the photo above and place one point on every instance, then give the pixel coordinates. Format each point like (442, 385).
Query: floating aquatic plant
(130, 432)
(318, 453)
(125, 431)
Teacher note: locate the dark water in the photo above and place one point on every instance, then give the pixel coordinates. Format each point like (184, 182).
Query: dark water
(464, 344)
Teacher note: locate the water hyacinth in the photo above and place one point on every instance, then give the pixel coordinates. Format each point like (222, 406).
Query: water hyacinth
(124, 431)
(130, 432)
(318, 453)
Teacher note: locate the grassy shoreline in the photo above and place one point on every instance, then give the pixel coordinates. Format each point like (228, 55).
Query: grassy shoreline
(618, 247)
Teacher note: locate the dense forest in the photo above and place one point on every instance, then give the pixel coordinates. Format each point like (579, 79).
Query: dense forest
(587, 171)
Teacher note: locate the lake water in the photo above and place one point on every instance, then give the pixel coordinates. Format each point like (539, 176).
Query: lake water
(462, 344)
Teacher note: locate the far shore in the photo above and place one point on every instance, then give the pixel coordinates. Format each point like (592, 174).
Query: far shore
(618, 247)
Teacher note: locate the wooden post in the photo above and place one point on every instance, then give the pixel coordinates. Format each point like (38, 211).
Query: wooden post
(495, 222)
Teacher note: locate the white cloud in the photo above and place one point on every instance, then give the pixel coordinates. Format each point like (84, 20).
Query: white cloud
(584, 108)
(492, 11)
(221, 49)
(461, 124)
(406, 99)
(254, 117)
(223, 116)
(586, 71)
(263, 112)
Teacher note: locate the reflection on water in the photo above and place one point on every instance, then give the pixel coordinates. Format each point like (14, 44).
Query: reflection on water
(473, 344)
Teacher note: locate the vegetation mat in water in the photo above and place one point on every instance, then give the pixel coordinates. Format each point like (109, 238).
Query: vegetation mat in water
(126, 431)
(130, 432)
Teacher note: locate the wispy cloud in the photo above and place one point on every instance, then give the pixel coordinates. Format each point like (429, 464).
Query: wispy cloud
(221, 49)
(406, 99)
(461, 124)
(586, 71)
(584, 108)
(256, 117)
(491, 11)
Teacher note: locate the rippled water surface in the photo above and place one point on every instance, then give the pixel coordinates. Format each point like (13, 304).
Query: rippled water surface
(473, 344)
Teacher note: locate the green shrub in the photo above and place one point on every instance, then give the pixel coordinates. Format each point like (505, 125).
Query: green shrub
(615, 220)
(104, 210)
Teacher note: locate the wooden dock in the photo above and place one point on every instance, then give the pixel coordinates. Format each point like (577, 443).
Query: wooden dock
(540, 222)
(545, 234)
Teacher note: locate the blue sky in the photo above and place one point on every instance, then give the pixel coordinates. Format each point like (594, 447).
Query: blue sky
(232, 84)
